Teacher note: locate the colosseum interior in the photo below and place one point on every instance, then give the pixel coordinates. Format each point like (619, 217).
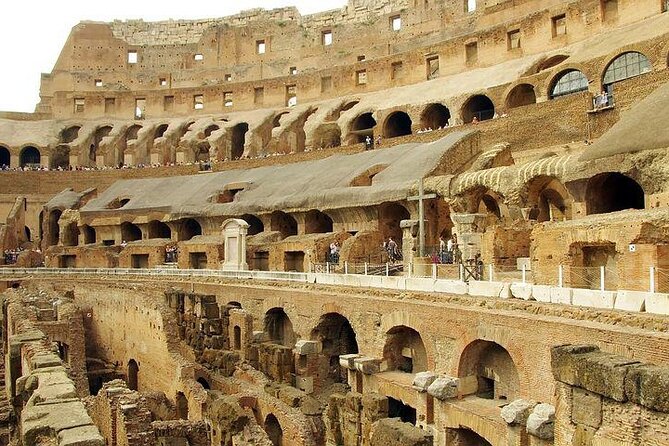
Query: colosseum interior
(401, 222)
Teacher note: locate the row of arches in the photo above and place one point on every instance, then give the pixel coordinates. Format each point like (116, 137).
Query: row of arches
(404, 351)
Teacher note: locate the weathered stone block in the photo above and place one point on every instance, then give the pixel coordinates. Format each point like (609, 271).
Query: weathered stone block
(657, 303)
(648, 385)
(392, 431)
(422, 380)
(348, 361)
(631, 301)
(586, 408)
(304, 347)
(522, 291)
(490, 289)
(560, 295)
(541, 293)
(444, 387)
(366, 365)
(541, 422)
(517, 412)
(593, 298)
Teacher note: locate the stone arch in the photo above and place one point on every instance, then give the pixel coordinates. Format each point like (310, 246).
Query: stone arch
(549, 199)
(478, 106)
(489, 204)
(89, 234)
(567, 82)
(435, 116)
(404, 350)
(283, 223)
(69, 134)
(159, 229)
(27, 233)
(273, 430)
(317, 222)
(467, 437)
(327, 136)
(276, 122)
(204, 383)
(492, 368)
(100, 133)
(130, 232)
(551, 62)
(54, 227)
(624, 66)
(189, 228)
(238, 140)
(278, 328)
(520, 95)
(210, 129)
(160, 131)
(397, 124)
(611, 192)
(256, 225)
(202, 152)
(337, 336)
(181, 403)
(390, 216)
(30, 156)
(60, 157)
(5, 157)
(133, 375)
(362, 127)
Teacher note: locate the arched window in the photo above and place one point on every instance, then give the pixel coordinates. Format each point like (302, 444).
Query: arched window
(5, 157)
(479, 107)
(520, 95)
(435, 116)
(238, 140)
(363, 126)
(397, 124)
(30, 157)
(625, 66)
(568, 82)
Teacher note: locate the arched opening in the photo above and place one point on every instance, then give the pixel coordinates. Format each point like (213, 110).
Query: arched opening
(69, 134)
(60, 157)
(611, 192)
(133, 132)
(54, 227)
(488, 205)
(338, 338)
(327, 136)
(202, 154)
(238, 140)
(397, 124)
(204, 383)
(625, 66)
(209, 130)
(390, 216)
(71, 234)
(435, 116)
(158, 229)
(568, 82)
(237, 337)
(133, 375)
(99, 134)
(89, 235)
(404, 350)
(397, 409)
(189, 228)
(181, 406)
(5, 157)
(317, 222)
(520, 95)
(551, 62)
(493, 369)
(273, 430)
(160, 131)
(130, 232)
(276, 122)
(256, 225)
(283, 223)
(278, 327)
(466, 437)
(478, 108)
(549, 200)
(363, 126)
(30, 157)
(26, 232)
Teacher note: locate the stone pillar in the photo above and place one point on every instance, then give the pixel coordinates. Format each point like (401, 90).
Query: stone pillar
(234, 232)
(409, 241)
(469, 228)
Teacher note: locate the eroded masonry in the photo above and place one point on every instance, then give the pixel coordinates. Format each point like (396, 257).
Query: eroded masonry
(402, 222)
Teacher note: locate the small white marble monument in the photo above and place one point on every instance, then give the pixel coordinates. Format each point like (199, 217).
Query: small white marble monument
(234, 233)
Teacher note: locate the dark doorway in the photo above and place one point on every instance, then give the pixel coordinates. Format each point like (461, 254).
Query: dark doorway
(397, 409)
(435, 116)
(611, 192)
(238, 140)
(397, 124)
(273, 430)
(479, 107)
(133, 375)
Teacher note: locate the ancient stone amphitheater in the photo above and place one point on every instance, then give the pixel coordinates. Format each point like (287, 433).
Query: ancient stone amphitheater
(198, 220)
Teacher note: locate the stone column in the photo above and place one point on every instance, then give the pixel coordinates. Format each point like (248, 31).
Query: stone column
(234, 233)
(409, 241)
(469, 228)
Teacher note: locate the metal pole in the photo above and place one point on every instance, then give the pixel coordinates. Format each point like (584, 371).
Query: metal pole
(365, 268)
(462, 272)
(387, 270)
(434, 270)
(601, 277)
(491, 269)
(410, 268)
(524, 275)
(346, 267)
(652, 279)
(421, 219)
(560, 275)
(327, 268)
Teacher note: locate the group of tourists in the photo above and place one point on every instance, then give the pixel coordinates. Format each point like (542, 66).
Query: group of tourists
(601, 100)
(449, 252)
(171, 254)
(12, 255)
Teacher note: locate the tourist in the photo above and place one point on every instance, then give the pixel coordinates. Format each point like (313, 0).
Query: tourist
(378, 141)
(393, 252)
(475, 120)
(368, 143)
